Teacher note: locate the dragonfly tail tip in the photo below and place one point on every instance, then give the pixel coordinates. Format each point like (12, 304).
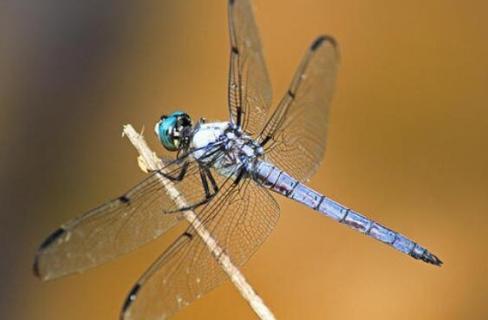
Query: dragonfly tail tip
(432, 259)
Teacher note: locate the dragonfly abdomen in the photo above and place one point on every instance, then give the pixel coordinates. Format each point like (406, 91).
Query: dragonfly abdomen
(279, 181)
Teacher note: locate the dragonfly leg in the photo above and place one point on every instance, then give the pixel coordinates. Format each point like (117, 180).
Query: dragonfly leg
(179, 176)
(211, 178)
(205, 176)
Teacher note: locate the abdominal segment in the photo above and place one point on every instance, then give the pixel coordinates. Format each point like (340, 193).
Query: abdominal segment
(279, 181)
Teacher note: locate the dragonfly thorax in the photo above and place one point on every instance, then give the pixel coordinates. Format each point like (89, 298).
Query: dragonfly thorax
(235, 148)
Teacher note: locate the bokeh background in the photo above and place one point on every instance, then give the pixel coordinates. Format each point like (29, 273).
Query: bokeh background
(407, 146)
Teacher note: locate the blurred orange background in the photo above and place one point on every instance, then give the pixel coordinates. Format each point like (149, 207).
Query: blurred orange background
(407, 147)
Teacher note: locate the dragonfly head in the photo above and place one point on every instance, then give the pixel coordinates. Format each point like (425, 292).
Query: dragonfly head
(174, 130)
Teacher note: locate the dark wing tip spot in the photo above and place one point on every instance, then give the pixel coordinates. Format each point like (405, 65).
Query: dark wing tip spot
(35, 267)
(235, 50)
(124, 199)
(231, 2)
(130, 299)
(51, 238)
(320, 41)
(45, 244)
(188, 235)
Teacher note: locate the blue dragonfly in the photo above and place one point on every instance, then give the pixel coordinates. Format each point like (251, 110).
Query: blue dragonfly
(227, 172)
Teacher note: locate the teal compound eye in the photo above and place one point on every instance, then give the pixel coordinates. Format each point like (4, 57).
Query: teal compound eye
(171, 130)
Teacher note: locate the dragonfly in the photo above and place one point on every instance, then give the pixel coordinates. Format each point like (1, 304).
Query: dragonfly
(228, 173)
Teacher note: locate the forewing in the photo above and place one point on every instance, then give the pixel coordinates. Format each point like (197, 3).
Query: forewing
(119, 226)
(240, 218)
(295, 135)
(250, 92)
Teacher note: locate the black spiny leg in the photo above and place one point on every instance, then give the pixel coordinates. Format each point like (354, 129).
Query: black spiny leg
(212, 180)
(179, 176)
(205, 176)
(239, 177)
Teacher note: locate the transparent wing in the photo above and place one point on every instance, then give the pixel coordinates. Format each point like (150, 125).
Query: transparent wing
(249, 95)
(295, 135)
(240, 218)
(119, 226)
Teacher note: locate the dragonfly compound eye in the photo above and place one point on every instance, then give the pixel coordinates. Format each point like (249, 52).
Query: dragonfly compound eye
(173, 129)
